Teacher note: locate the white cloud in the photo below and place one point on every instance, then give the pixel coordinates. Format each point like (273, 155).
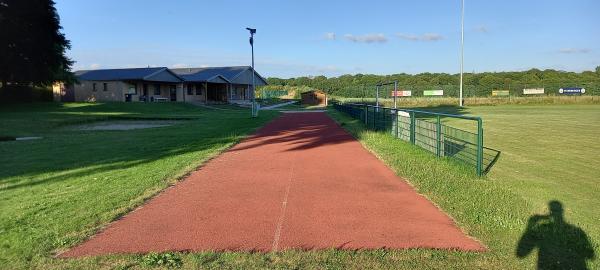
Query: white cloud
(424, 37)
(431, 37)
(368, 38)
(329, 36)
(407, 37)
(179, 65)
(481, 29)
(95, 66)
(574, 50)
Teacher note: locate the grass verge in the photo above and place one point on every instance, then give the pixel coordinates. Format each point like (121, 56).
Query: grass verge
(508, 209)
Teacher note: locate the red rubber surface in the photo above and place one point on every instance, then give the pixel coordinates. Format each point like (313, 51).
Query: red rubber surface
(300, 182)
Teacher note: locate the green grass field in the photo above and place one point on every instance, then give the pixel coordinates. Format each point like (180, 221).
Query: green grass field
(476, 101)
(549, 152)
(57, 191)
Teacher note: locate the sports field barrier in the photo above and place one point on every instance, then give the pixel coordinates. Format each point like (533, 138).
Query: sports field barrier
(266, 93)
(425, 129)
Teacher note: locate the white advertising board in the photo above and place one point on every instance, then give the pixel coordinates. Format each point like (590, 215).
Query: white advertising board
(533, 91)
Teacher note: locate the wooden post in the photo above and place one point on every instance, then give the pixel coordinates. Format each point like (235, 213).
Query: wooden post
(205, 92)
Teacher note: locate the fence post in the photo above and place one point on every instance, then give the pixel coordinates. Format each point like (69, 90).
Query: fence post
(384, 120)
(479, 147)
(412, 127)
(366, 114)
(439, 136)
(374, 118)
(396, 121)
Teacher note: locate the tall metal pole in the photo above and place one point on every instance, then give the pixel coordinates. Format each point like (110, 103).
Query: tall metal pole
(254, 109)
(462, 49)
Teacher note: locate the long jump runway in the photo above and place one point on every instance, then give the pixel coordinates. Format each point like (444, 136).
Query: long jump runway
(300, 182)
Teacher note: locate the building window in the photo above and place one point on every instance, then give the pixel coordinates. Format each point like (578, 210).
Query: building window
(190, 89)
(132, 89)
(157, 89)
(94, 87)
(199, 89)
(104, 87)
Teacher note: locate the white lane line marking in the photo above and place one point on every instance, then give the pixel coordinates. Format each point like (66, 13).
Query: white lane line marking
(283, 208)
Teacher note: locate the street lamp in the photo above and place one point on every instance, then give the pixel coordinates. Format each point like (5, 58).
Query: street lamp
(254, 109)
(462, 48)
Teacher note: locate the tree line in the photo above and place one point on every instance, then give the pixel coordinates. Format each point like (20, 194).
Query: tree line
(475, 84)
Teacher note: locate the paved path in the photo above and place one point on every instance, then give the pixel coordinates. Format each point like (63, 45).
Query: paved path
(277, 105)
(300, 182)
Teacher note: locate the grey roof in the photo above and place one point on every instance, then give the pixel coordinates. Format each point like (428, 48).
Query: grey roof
(207, 73)
(199, 74)
(127, 74)
(163, 74)
(227, 72)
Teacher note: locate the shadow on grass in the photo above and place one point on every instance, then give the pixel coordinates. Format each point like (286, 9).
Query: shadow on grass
(560, 245)
(66, 154)
(102, 164)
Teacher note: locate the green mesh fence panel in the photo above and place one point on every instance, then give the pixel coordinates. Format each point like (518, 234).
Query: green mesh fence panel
(425, 130)
(272, 93)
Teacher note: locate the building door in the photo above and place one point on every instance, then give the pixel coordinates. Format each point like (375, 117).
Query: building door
(67, 93)
(144, 96)
(173, 92)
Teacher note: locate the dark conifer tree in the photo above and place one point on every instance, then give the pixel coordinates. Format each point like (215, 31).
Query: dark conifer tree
(32, 46)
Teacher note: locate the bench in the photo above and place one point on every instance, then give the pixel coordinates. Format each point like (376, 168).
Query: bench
(159, 99)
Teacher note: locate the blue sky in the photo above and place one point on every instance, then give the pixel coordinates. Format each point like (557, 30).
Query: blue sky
(299, 38)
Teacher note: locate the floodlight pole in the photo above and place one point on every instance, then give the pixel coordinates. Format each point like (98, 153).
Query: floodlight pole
(254, 109)
(395, 93)
(462, 49)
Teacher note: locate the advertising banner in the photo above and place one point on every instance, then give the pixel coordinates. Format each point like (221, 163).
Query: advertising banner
(401, 93)
(533, 91)
(500, 93)
(433, 92)
(572, 91)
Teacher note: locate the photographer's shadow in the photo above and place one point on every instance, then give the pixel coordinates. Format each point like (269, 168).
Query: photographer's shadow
(560, 245)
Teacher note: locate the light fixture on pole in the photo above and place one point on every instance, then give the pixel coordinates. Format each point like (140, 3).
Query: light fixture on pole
(462, 48)
(254, 109)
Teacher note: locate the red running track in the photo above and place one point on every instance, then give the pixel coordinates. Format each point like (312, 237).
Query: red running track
(300, 182)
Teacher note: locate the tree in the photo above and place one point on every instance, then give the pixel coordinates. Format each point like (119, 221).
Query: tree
(33, 47)
(598, 70)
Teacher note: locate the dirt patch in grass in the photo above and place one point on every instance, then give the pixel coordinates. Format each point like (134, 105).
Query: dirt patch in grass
(127, 124)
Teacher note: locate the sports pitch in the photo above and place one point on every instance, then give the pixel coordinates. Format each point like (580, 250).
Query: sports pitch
(549, 152)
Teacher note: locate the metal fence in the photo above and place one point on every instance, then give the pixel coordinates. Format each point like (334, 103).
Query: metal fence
(425, 129)
(272, 93)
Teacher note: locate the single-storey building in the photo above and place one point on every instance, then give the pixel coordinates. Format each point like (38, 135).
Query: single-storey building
(207, 85)
(314, 97)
